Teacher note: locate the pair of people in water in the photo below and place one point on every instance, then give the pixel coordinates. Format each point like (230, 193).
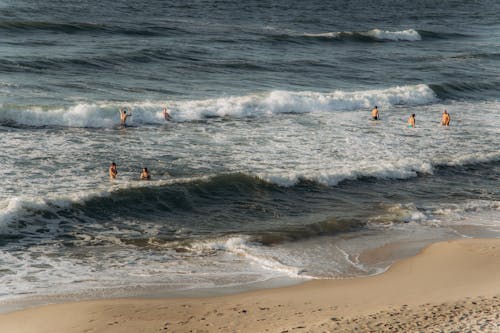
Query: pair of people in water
(113, 172)
(124, 115)
(445, 119)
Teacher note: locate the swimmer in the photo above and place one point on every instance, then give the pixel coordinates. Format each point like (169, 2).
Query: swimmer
(124, 116)
(411, 121)
(375, 115)
(165, 114)
(112, 170)
(145, 174)
(445, 119)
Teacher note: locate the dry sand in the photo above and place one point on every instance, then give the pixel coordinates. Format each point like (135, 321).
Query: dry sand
(448, 287)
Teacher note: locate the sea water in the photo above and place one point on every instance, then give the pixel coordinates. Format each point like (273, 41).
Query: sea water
(270, 169)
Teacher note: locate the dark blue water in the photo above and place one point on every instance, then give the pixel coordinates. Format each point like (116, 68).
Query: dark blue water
(58, 51)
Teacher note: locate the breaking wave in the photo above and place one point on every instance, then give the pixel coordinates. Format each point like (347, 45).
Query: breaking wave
(104, 114)
(245, 198)
(370, 35)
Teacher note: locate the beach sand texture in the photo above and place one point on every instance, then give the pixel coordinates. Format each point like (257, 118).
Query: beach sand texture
(449, 287)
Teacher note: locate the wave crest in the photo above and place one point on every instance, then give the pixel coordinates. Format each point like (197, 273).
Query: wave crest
(105, 114)
(72, 27)
(178, 197)
(370, 35)
(406, 35)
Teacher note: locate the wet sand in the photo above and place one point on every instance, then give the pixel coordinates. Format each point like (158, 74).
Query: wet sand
(449, 287)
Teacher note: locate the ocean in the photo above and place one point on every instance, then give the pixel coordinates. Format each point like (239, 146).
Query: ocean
(270, 171)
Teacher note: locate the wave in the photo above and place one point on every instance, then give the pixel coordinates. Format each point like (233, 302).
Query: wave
(426, 34)
(46, 64)
(374, 35)
(96, 221)
(243, 246)
(159, 199)
(404, 35)
(38, 64)
(104, 114)
(85, 27)
(466, 90)
(403, 169)
(470, 206)
(193, 205)
(369, 36)
(74, 27)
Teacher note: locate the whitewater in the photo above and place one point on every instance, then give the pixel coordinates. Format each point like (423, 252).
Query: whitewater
(103, 114)
(255, 185)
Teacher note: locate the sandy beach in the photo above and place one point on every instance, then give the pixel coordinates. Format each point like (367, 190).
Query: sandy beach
(449, 287)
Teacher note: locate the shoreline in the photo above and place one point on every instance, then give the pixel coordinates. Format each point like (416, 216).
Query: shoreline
(165, 292)
(448, 285)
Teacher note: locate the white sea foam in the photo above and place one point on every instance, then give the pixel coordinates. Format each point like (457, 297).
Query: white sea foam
(352, 261)
(402, 169)
(324, 34)
(243, 248)
(471, 212)
(454, 213)
(377, 34)
(473, 157)
(404, 35)
(399, 213)
(79, 115)
(9, 213)
(105, 114)
(15, 207)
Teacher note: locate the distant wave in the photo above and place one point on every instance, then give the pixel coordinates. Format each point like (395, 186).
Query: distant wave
(362, 36)
(84, 27)
(74, 27)
(407, 35)
(465, 89)
(186, 200)
(41, 64)
(373, 35)
(104, 114)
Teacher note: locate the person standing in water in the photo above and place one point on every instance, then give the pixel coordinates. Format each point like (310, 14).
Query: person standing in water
(145, 174)
(445, 118)
(112, 170)
(411, 121)
(375, 115)
(165, 114)
(124, 116)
